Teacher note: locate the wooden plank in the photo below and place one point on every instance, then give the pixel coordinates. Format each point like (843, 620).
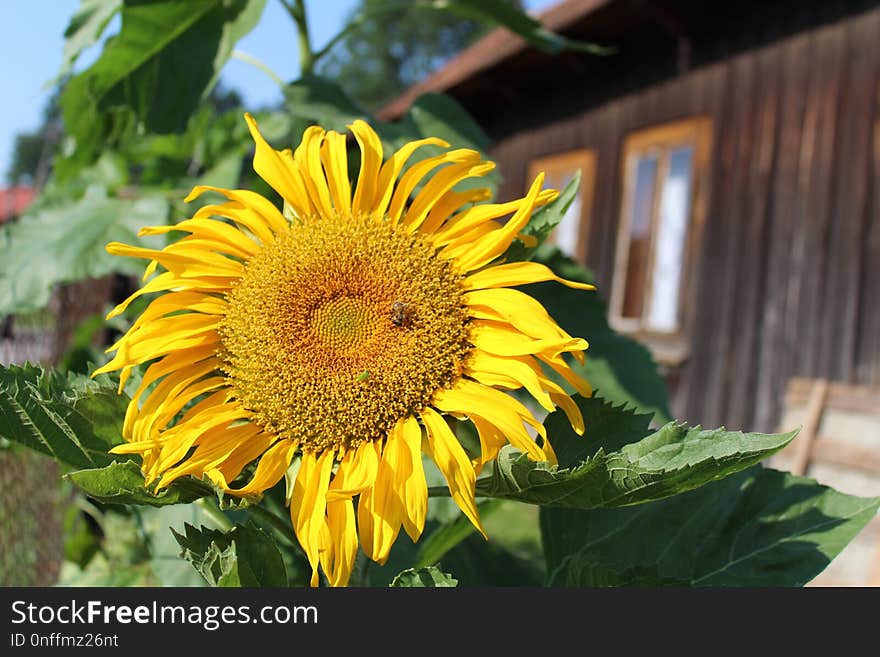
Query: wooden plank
(875, 568)
(841, 396)
(804, 444)
(836, 451)
(602, 242)
(868, 349)
(840, 313)
(771, 373)
(711, 100)
(710, 271)
(717, 310)
(750, 290)
(812, 212)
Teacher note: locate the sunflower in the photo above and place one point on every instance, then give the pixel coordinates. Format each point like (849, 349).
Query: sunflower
(335, 342)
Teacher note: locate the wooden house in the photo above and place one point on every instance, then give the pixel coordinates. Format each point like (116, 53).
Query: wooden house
(730, 205)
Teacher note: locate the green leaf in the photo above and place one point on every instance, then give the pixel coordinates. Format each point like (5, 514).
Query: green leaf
(85, 28)
(122, 482)
(47, 413)
(618, 367)
(585, 570)
(672, 460)
(66, 243)
(504, 14)
(544, 221)
(163, 62)
(242, 556)
(439, 115)
(760, 527)
(318, 100)
(429, 577)
(478, 562)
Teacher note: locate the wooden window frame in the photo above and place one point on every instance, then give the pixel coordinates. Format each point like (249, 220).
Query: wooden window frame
(669, 347)
(564, 162)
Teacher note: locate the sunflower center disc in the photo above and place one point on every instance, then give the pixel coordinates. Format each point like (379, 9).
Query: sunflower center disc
(339, 328)
(345, 323)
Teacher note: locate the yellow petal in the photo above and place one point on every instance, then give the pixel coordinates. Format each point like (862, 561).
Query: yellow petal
(571, 410)
(357, 471)
(213, 447)
(272, 466)
(452, 201)
(184, 261)
(391, 169)
(234, 241)
(335, 160)
(470, 219)
(503, 340)
(168, 281)
(186, 300)
(518, 273)
(172, 362)
(445, 450)
(518, 309)
(380, 509)
(439, 184)
(558, 364)
(308, 504)
(371, 161)
(415, 488)
(178, 440)
(419, 170)
(344, 542)
(170, 396)
(244, 454)
(308, 157)
(276, 170)
(476, 254)
(491, 442)
(502, 410)
(251, 211)
(481, 364)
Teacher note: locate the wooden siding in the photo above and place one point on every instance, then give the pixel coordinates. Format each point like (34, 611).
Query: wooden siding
(787, 281)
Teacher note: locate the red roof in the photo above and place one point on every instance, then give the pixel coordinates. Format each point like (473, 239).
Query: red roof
(14, 200)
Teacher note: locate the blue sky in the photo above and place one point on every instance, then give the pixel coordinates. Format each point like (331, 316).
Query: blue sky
(33, 39)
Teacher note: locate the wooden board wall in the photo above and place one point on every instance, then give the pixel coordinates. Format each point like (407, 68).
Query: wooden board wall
(788, 275)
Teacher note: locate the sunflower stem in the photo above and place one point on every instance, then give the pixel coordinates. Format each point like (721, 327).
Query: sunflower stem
(438, 491)
(297, 11)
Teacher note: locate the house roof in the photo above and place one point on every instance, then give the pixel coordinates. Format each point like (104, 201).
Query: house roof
(500, 44)
(14, 201)
(501, 77)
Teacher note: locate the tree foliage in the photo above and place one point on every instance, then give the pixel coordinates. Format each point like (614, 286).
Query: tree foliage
(390, 50)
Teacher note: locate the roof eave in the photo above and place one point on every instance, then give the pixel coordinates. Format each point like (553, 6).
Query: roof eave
(493, 48)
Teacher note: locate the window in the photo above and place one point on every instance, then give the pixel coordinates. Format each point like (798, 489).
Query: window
(662, 211)
(570, 235)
